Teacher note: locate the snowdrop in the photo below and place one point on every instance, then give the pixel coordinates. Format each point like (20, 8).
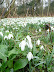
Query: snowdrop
(52, 28)
(23, 44)
(4, 24)
(6, 31)
(28, 37)
(38, 42)
(20, 21)
(29, 43)
(24, 24)
(42, 47)
(29, 56)
(10, 36)
(39, 30)
(48, 30)
(11, 32)
(36, 31)
(6, 37)
(1, 33)
(26, 43)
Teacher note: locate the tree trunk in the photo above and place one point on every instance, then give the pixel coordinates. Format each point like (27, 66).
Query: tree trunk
(42, 7)
(24, 7)
(48, 7)
(33, 7)
(11, 5)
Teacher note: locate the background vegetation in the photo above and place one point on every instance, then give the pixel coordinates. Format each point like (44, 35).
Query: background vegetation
(19, 8)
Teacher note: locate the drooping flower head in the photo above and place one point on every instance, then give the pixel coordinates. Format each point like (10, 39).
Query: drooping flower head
(29, 43)
(42, 47)
(47, 30)
(36, 31)
(1, 34)
(6, 37)
(52, 28)
(7, 31)
(39, 30)
(23, 44)
(10, 36)
(38, 42)
(29, 56)
(26, 43)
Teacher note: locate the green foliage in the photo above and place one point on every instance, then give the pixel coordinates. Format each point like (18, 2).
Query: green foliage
(13, 51)
(52, 36)
(49, 59)
(10, 64)
(20, 63)
(11, 44)
(3, 52)
(0, 38)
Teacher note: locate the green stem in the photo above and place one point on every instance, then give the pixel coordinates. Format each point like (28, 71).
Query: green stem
(29, 66)
(27, 50)
(23, 69)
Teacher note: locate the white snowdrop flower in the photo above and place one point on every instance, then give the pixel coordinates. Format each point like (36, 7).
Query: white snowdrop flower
(7, 31)
(43, 24)
(42, 47)
(48, 30)
(6, 37)
(28, 37)
(52, 28)
(24, 24)
(39, 30)
(4, 24)
(29, 56)
(11, 32)
(29, 43)
(36, 31)
(16, 28)
(38, 42)
(1, 33)
(23, 44)
(10, 36)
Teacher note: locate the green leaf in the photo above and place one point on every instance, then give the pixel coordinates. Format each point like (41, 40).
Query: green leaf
(0, 38)
(50, 59)
(20, 63)
(3, 52)
(7, 70)
(0, 64)
(10, 63)
(37, 65)
(13, 51)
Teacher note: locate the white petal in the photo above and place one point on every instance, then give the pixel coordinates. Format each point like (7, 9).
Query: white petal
(22, 45)
(38, 42)
(29, 43)
(10, 36)
(29, 56)
(6, 37)
(1, 33)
